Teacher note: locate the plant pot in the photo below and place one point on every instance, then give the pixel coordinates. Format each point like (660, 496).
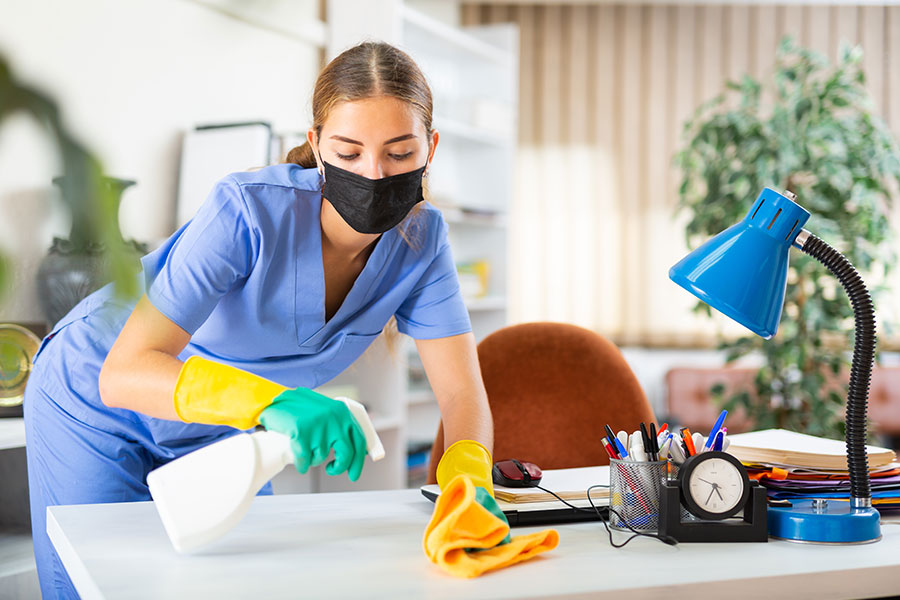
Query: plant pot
(71, 272)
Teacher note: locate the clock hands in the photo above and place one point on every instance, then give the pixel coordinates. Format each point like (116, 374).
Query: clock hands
(715, 488)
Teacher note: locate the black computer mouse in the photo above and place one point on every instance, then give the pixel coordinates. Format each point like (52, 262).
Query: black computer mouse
(513, 473)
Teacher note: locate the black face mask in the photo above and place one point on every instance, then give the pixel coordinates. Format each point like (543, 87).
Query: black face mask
(372, 205)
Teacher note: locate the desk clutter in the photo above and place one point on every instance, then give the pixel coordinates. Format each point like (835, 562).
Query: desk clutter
(683, 486)
(794, 466)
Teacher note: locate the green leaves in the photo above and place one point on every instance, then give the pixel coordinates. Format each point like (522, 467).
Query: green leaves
(811, 129)
(92, 203)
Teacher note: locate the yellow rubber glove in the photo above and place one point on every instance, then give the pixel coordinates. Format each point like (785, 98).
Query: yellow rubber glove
(470, 458)
(463, 537)
(216, 394)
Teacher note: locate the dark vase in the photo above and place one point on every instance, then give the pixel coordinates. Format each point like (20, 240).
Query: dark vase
(71, 271)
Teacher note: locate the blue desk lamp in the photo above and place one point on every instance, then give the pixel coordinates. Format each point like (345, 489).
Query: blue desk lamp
(742, 272)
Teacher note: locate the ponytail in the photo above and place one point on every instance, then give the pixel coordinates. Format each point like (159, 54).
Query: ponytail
(302, 155)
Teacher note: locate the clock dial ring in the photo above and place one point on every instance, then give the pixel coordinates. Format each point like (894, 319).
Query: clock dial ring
(714, 485)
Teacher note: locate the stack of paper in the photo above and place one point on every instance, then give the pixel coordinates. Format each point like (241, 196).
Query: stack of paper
(568, 484)
(797, 466)
(790, 449)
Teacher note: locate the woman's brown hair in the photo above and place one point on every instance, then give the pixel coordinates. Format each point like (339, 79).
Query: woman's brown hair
(364, 71)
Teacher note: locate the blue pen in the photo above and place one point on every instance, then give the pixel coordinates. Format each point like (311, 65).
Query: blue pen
(623, 454)
(720, 439)
(715, 430)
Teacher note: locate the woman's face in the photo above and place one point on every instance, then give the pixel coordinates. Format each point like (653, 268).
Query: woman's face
(374, 137)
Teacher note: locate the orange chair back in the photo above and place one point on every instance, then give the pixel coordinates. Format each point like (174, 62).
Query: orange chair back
(551, 388)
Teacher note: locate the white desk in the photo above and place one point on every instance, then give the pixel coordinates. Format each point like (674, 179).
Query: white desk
(369, 545)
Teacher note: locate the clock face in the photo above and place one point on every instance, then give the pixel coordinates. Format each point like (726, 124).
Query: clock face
(714, 486)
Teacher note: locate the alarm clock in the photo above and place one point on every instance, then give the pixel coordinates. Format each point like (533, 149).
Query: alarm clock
(714, 487)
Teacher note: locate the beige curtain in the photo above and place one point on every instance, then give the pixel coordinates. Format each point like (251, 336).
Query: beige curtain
(605, 90)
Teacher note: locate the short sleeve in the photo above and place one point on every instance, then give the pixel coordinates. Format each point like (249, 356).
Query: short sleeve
(203, 261)
(435, 308)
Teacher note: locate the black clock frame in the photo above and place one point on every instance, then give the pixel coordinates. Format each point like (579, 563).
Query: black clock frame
(684, 476)
(752, 528)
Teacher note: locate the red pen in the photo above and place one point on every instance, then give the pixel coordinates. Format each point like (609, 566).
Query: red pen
(610, 450)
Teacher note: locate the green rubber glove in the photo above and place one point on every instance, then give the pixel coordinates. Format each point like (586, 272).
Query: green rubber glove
(317, 424)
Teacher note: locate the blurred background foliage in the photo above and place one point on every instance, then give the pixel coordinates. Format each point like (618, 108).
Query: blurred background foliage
(90, 199)
(809, 128)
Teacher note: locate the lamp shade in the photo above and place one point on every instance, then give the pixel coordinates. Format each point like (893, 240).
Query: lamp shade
(742, 272)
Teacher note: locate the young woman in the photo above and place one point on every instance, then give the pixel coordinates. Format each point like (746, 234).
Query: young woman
(282, 279)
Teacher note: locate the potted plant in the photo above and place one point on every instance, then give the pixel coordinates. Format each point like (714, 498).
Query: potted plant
(95, 245)
(809, 128)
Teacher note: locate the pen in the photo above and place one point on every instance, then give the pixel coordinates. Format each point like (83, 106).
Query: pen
(661, 436)
(654, 442)
(622, 436)
(635, 489)
(623, 454)
(670, 443)
(725, 439)
(610, 436)
(664, 447)
(644, 434)
(720, 438)
(675, 450)
(638, 452)
(698, 442)
(688, 441)
(715, 430)
(609, 450)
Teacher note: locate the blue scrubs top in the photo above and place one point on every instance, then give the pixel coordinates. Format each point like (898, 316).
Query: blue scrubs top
(244, 277)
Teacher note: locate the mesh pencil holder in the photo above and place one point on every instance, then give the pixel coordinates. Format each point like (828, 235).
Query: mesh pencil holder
(634, 489)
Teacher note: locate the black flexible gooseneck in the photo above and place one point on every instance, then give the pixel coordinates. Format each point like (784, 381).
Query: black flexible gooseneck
(861, 368)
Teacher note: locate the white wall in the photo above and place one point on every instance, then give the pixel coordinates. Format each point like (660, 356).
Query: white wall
(130, 77)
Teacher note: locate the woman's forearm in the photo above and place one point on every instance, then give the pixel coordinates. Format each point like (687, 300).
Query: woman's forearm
(451, 365)
(466, 416)
(144, 382)
(141, 369)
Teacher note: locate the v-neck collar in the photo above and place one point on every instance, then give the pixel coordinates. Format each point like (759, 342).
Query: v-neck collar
(375, 265)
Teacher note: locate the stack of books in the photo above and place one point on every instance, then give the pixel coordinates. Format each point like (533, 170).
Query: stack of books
(796, 466)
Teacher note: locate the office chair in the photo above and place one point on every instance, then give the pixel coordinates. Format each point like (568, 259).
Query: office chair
(551, 388)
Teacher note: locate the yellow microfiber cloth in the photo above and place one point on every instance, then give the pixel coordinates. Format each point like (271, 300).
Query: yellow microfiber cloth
(460, 523)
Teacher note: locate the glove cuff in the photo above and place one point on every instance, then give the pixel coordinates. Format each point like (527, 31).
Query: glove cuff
(470, 458)
(218, 394)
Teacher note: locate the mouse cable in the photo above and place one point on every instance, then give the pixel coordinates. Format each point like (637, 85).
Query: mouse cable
(667, 540)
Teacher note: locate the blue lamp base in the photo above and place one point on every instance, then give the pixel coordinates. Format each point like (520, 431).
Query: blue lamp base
(833, 523)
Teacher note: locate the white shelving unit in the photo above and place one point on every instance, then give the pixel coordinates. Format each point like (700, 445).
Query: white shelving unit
(473, 73)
